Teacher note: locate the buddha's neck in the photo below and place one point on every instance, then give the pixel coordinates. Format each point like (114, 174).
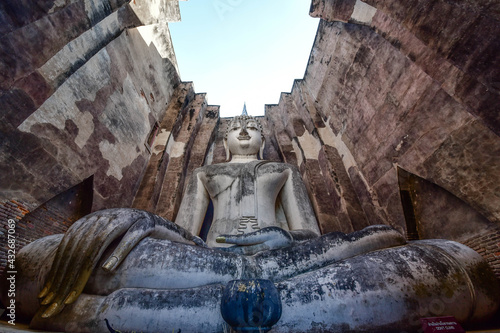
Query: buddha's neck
(243, 158)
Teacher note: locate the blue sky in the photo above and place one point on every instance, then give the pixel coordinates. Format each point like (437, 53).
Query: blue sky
(243, 50)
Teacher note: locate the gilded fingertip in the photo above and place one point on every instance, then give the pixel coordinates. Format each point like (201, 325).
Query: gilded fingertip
(220, 239)
(71, 298)
(48, 299)
(50, 311)
(110, 264)
(43, 292)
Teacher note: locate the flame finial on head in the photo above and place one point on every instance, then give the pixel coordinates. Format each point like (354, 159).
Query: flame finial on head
(244, 112)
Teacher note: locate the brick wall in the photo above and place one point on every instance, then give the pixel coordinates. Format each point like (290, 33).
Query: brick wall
(16, 211)
(487, 244)
(53, 217)
(43, 221)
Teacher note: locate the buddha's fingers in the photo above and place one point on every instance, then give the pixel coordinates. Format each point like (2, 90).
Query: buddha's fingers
(59, 277)
(165, 229)
(132, 223)
(62, 251)
(85, 259)
(139, 230)
(87, 246)
(73, 257)
(198, 241)
(60, 300)
(69, 245)
(269, 234)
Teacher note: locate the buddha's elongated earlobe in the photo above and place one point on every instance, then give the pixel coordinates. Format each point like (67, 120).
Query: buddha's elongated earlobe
(226, 148)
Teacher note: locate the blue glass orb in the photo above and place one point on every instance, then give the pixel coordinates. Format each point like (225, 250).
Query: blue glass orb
(251, 305)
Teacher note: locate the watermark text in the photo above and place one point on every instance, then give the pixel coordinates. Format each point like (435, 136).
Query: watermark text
(11, 271)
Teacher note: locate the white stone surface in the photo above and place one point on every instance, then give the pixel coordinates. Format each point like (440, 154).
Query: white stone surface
(174, 148)
(126, 149)
(363, 12)
(310, 145)
(77, 49)
(159, 35)
(61, 105)
(160, 141)
(156, 11)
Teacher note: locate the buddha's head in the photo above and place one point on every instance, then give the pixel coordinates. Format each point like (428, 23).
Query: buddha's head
(244, 137)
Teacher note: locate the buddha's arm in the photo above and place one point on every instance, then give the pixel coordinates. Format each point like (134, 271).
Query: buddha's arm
(297, 207)
(194, 204)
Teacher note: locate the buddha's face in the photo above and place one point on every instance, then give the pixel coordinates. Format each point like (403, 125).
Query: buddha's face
(244, 137)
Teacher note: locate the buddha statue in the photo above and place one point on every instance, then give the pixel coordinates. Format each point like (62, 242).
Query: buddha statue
(139, 272)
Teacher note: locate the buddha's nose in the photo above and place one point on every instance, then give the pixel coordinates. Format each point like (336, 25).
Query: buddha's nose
(244, 129)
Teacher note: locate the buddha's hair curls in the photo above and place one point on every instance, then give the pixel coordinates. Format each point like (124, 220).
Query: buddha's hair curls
(243, 118)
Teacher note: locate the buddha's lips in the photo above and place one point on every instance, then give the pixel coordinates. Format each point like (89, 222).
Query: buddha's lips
(244, 137)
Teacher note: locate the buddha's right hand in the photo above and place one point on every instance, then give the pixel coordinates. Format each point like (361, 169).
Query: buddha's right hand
(84, 243)
(268, 238)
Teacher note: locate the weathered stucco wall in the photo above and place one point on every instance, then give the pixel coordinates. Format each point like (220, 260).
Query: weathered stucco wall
(80, 94)
(81, 88)
(401, 90)
(181, 147)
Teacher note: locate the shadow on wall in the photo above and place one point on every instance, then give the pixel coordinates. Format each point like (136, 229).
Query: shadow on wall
(433, 212)
(53, 217)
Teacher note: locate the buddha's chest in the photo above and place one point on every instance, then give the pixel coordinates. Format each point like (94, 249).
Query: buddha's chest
(242, 182)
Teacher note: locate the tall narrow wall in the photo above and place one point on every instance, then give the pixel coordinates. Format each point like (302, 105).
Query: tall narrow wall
(181, 147)
(82, 85)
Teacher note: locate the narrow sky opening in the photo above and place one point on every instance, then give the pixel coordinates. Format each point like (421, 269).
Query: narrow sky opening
(243, 50)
